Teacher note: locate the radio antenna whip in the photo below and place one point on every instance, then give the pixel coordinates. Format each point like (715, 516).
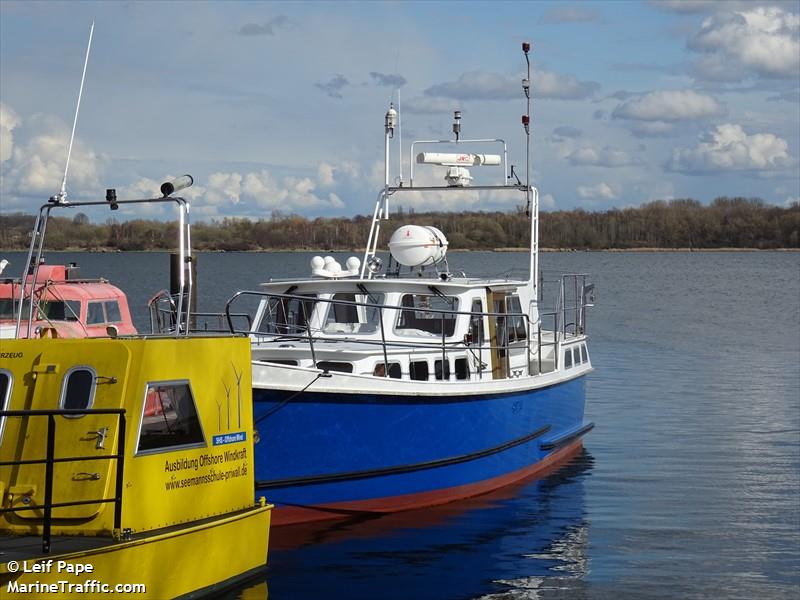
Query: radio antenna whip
(61, 197)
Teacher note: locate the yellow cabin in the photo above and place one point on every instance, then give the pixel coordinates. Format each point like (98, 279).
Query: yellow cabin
(133, 456)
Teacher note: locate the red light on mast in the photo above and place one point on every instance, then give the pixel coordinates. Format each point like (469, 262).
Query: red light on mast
(526, 47)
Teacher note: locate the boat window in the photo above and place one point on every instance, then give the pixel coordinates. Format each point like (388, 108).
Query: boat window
(5, 397)
(584, 354)
(7, 308)
(462, 368)
(329, 365)
(416, 314)
(516, 322)
(77, 390)
(418, 370)
(288, 316)
(95, 314)
(291, 363)
(437, 369)
(112, 311)
(476, 322)
(576, 354)
(567, 359)
(394, 370)
(169, 418)
(348, 318)
(60, 310)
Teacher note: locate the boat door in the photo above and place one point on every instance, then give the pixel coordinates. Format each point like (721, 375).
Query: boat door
(498, 333)
(73, 374)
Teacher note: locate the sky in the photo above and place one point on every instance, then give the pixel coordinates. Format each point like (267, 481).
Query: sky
(275, 106)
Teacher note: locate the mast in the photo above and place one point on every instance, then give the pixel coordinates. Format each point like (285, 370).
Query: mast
(61, 197)
(531, 194)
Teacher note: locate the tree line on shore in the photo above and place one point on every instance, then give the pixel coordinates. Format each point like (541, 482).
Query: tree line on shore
(684, 223)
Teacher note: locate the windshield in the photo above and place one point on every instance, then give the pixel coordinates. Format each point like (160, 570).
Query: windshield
(350, 318)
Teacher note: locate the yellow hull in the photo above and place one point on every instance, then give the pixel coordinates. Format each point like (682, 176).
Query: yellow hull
(188, 561)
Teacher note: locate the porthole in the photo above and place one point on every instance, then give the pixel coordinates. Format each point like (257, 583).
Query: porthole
(78, 388)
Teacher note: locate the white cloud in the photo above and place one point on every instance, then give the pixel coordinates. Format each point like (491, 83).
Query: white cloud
(8, 121)
(601, 190)
(34, 163)
(764, 41)
(668, 106)
(729, 148)
(547, 201)
(325, 174)
(224, 187)
(605, 157)
(329, 174)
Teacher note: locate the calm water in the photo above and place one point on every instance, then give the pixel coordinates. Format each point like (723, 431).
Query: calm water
(689, 486)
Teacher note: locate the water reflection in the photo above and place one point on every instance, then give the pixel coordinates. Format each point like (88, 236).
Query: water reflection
(523, 541)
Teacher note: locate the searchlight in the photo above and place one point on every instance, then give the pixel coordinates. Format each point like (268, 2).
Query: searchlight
(176, 185)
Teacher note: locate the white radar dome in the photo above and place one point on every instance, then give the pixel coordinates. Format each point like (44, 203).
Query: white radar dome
(418, 245)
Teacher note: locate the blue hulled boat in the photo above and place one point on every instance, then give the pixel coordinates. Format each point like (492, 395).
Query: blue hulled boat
(383, 387)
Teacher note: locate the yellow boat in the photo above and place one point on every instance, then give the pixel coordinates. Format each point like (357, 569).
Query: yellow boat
(126, 465)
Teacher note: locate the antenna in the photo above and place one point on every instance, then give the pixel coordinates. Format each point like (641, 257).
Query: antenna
(61, 197)
(400, 135)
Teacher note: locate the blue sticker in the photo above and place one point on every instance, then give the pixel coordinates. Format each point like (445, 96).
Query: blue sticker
(229, 438)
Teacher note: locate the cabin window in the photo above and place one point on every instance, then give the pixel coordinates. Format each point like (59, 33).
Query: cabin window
(462, 368)
(476, 322)
(288, 316)
(329, 365)
(349, 318)
(394, 370)
(169, 418)
(516, 322)
(421, 313)
(576, 355)
(60, 310)
(584, 354)
(103, 312)
(77, 390)
(94, 314)
(5, 397)
(418, 370)
(7, 306)
(112, 311)
(567, 359)
(291, 363)
(439, 372)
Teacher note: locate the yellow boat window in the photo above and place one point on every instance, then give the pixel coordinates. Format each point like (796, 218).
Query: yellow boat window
(77, 391)
(169, 418)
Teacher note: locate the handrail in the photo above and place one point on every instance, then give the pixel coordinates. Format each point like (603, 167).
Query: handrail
(570, 302)
(50, 460)
(304, 332)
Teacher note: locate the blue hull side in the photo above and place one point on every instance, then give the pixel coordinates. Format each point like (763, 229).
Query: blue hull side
(325, 448)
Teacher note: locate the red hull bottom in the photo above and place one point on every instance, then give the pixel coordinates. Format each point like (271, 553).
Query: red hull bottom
(291, 515)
